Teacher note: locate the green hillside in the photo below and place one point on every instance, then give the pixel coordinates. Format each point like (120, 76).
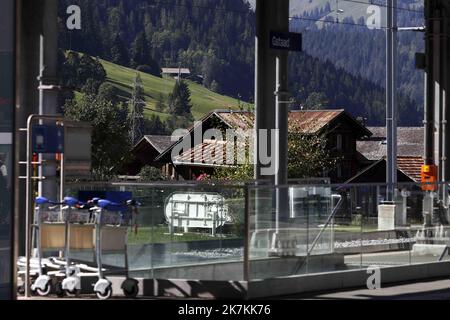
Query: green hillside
(203, 100)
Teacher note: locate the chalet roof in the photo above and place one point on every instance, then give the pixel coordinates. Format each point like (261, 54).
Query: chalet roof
(409, 170)
(307, 122)
(207, 153)
(159, 142)
(409, 139)
(411, 166)
(176, 70)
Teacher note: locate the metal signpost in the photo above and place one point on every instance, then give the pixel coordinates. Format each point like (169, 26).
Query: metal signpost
(283, 42)
(72, 140)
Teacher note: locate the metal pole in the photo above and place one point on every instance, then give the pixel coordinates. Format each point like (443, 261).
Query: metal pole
(247, 234)
(394, 91)
(445, 85)
(270, 16)
(29, 202)
(281, 177)
(29, 209)
(48, 87)
(282, 113)
(62, 175)
(391, 98)
(41, 107)
(429, 87)
(264, 77)
(264, 106)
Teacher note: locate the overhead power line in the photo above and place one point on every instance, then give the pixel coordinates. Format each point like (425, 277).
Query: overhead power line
(383, 5)
(246, 12)
(323, 19)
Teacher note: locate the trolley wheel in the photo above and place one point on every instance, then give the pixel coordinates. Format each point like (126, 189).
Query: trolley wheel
(72, 293)
(130, 288)
(106, 295)
(44, 292)
(59, 290)
(21, 290)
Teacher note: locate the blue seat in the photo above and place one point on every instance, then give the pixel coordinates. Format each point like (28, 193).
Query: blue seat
(42, 200)
(70, 201)
(111, 206)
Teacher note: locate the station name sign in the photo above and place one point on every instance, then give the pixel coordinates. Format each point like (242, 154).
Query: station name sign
(286, 41)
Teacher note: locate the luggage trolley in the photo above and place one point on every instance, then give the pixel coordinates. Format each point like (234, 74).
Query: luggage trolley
(45, 214)
(79, 223)
(50, 233)
(112, 222)
(107, 224)
(99, 225)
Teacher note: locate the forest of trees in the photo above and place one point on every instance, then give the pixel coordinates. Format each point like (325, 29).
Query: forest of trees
(355, 49)
(215, 39)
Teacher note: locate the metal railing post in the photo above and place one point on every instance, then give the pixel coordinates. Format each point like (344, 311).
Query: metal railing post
(246, 234)
(29, 203)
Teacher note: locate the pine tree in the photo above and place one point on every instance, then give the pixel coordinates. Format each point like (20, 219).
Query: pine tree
(140, 51)
(180, 99)
(160, 107)
(137, 105)
(119, 53)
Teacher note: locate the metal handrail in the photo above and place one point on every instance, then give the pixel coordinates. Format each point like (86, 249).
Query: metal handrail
(322, 230)
(330, 217)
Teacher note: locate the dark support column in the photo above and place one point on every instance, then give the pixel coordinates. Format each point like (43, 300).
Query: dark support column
(29, 15)
(7, 262)
(48, 99)
(270, 16)
(446, 96)
(437, 108)
(265, 77)
(36, 21)
(429, 85)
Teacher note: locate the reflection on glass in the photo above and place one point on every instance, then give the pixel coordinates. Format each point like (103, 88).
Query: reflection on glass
(199, 232)
(6, 128)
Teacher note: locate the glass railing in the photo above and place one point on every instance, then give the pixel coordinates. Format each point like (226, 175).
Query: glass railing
(180, 229)
(246, 231)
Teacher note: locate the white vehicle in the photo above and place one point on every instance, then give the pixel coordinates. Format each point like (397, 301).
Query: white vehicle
(196, 210)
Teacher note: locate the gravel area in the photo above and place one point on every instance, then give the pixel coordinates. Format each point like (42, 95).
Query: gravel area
(358, 243)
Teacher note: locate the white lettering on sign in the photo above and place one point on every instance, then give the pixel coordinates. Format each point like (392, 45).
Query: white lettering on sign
(279, 42)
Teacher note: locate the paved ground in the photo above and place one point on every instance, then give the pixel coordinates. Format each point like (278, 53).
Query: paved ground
(437, 289)
(396, 258)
